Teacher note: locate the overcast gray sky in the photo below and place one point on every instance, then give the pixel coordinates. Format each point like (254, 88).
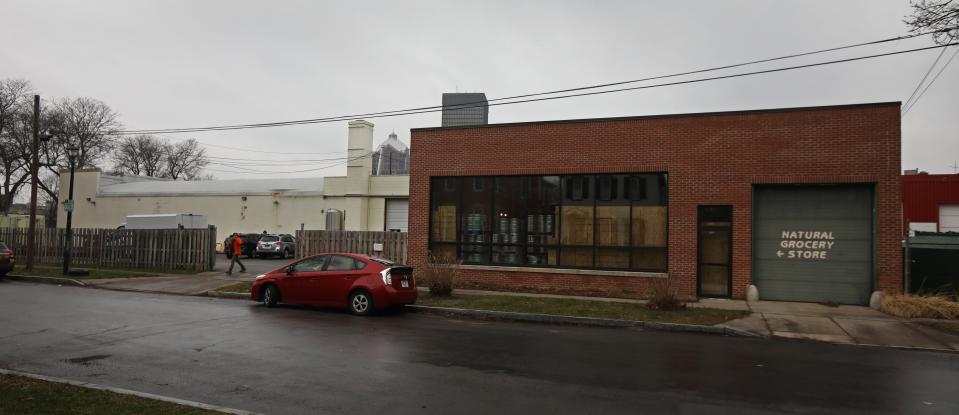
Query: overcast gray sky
(167, 64)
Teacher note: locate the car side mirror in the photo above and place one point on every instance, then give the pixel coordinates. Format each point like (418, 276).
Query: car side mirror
(289, 270)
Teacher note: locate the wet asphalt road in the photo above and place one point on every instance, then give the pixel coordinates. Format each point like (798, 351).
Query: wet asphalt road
(301, 360)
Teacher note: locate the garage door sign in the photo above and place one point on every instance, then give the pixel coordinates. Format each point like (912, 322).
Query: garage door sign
(805, 245)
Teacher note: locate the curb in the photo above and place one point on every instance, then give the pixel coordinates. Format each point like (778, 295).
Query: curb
(238, 296)
(122, 391)
(46, 280)
(579, 321)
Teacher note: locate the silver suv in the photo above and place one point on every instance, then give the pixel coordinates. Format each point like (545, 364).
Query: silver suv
(283, 246)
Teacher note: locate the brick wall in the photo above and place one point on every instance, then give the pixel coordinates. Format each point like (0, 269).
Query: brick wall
(713, 158)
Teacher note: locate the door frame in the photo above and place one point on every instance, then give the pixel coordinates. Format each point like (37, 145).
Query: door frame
(729, 259)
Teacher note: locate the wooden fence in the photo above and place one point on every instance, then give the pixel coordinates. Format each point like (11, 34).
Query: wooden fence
(154, 249)
(356, 242)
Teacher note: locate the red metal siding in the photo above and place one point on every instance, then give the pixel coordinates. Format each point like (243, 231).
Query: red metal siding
(923, 193)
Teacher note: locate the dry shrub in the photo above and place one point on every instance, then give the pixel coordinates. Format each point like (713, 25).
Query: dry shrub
(663, 296)
(439, 274)
(923, 306)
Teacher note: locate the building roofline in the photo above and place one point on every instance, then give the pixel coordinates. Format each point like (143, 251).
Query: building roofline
(931, 176)
(680, 115)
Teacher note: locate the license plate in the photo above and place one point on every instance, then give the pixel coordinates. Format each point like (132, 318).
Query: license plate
(405, 284)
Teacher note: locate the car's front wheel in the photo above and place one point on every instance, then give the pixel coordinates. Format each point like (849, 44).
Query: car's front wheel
(361, 303)
(270, 295)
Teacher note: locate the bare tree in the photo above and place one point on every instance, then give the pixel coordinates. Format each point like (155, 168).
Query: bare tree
(141, 155)
(184, 160)
(86, 123)
(16, 124)
(939, 15)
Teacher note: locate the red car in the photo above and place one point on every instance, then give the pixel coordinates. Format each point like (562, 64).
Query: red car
(360, 283)
(7, 261)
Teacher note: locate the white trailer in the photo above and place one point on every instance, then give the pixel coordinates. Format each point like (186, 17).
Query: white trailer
(166, 221)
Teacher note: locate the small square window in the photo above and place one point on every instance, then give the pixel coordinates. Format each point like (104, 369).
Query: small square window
(607, 188)
(577, 188)
(635, 188)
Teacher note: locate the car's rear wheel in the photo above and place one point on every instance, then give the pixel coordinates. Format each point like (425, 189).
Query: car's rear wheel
(361, 303)
(270, 295)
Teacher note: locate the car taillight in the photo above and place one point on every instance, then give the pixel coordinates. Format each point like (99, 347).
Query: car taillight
(387, 278)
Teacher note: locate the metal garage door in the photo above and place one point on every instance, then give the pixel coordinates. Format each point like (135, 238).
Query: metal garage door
(397, 214)
(949, 218)
(813, 243)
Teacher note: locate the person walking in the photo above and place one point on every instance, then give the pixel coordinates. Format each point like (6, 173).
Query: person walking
(236, 244)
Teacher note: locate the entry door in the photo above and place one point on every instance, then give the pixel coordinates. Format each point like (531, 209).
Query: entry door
(715, 251)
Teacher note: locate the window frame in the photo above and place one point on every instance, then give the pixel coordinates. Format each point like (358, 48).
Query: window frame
(326, 260)
(590, 187)
(352, 262)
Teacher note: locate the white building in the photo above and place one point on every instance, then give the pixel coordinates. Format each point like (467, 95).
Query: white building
(362, 200)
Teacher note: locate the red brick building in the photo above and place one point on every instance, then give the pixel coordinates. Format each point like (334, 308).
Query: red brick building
(801, 202)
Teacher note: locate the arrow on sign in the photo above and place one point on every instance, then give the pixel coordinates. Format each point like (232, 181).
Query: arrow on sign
(779, 254)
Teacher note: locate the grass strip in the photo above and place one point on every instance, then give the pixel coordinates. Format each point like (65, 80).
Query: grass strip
(582, 308)
(240, 287)
(22, 395)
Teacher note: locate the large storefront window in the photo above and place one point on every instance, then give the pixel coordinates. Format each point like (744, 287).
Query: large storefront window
(603, 221)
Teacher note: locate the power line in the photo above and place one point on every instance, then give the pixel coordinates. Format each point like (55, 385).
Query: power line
(267, 152)
(923, 80)
(367, 155)
(469, 105)
(260, 160)
(116, 139)
(692, 81)
(906, 111)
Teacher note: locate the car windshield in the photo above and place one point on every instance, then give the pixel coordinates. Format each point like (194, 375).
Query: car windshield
(269, 239)
(384, 261)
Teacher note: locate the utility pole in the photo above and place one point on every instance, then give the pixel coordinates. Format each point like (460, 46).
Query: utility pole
(34, 165)
(73, 153)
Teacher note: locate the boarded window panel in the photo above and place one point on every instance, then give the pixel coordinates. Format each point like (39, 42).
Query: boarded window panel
(576, 257)
(612, 223)
(577, 225)
(444, 223)
(444, 198)
(613, 258)
(446, 252)
(649, 226)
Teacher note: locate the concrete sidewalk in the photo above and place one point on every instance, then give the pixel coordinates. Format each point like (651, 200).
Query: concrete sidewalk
(194, 284)
(842, 324)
